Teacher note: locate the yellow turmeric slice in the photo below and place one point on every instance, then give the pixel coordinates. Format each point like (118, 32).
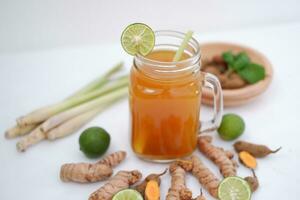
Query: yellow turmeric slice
(247, 159)
(152, 191)
(141, 187)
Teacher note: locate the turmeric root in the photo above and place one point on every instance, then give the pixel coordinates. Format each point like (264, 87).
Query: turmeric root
(256, 150)
(247, 159)
(206, 178)
(113, 159)
(122, 180)
(178, 189)
(86, 172)
(252, 181)
(187, 165)
(222, 158)
(151, 177)
(201, 196)
(152, 191)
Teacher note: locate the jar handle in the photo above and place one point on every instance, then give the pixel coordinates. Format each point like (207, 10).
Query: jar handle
(212, 82)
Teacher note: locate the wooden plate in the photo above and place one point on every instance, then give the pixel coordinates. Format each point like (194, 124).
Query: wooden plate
(235, 97)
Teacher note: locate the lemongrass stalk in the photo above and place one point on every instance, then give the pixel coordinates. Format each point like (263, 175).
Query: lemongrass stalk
(99, 82)
(44, 113)
(32, 138)
(183, 46)
(74, 124)
(17, 131)
(60, 118)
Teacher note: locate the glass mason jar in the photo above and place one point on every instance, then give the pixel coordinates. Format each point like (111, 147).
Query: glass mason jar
(165, 100)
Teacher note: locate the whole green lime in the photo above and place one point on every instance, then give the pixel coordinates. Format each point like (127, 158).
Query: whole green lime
(94, 142)
(232, 126)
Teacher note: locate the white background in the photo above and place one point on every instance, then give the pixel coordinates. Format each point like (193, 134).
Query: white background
(49, 49)
(41, 24)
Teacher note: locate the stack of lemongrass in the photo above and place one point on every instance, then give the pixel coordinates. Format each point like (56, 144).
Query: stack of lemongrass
(66, 117)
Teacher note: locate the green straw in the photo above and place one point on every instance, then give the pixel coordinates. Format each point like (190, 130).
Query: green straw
(183, 45)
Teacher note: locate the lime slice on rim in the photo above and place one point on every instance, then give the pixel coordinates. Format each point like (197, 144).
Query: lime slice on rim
(128, 194)
(234, 188)
(138, 38)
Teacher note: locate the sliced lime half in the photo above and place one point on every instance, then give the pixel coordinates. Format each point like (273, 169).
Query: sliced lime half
(138, 38)
(234, 188)
(128, 194)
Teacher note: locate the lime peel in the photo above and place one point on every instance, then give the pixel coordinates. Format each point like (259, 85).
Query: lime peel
(232, 126)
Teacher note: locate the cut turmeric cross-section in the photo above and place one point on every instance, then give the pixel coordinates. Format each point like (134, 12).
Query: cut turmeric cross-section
(247, 159)
(152, 191)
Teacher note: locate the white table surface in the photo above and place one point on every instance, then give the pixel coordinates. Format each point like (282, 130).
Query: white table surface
(32, 79)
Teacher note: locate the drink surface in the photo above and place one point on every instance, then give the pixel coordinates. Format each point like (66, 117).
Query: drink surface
(164, 114)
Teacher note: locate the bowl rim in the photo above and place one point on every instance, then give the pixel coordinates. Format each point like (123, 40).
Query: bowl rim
(249, 91)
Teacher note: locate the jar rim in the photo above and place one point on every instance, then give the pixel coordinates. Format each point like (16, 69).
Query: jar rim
(177, 34)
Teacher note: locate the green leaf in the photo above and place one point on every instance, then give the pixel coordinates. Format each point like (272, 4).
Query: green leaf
(252, 73)
(228, 57)
(241, 61)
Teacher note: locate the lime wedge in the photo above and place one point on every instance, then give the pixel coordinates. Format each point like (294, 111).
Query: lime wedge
(138, 38)
(128, 194)
(234, 188)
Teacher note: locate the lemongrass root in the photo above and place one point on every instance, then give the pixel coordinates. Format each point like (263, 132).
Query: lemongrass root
(74, 124)
(64, 116)
(17, 131)
(99, 82)
(32, 138)
(43, 114)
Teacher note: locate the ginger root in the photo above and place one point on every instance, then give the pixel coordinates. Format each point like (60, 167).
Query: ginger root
(122, 180)
(256, 150)
(86, 172)
(206, 178)
(222, 158)
(151, 177)
(178, 189)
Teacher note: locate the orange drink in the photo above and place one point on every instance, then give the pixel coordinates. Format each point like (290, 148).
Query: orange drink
(165, 101)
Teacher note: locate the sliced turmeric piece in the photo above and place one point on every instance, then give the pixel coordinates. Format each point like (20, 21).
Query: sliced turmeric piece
(141, 187)
(248, 160)
(152, 191)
